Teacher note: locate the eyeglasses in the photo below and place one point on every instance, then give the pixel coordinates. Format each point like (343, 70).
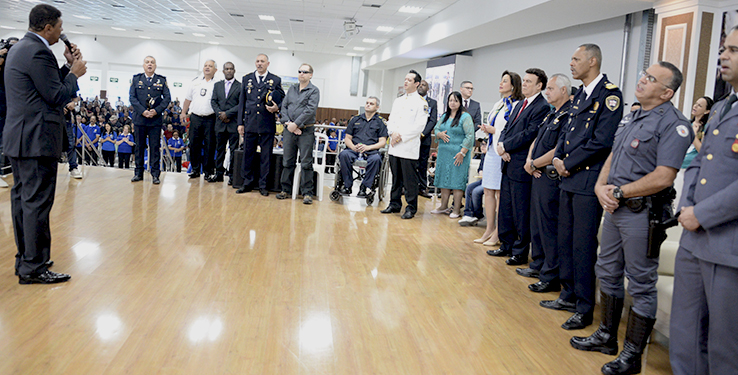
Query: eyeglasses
(650, 78)
(303, 72)
(468, 88)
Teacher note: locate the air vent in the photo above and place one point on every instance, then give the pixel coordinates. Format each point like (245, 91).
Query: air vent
(249, 29)
(202, 25)
(296, 20)
(79, 25)
(179, 33)
(299, 42)
(60, 2)
(107, 19)
(118, 6)
(372, 5)
(154, 22)
(218, 36)
(259, 39)
(236, 15)
(337, 46)
(138, 30)
(177, 10)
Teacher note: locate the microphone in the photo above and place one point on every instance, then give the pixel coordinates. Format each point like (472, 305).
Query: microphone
(66, 42)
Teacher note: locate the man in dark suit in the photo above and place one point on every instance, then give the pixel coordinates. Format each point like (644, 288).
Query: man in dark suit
(33, 137)
(260, 98)
(515, 140)
(225, 104)
(426, 140)
(149, 97)
(472, 106)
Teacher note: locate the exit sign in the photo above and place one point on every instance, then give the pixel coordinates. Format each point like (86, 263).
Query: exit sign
(94, 78)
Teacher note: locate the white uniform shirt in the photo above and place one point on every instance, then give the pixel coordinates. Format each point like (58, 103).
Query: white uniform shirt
(199, 94)
(408, 118)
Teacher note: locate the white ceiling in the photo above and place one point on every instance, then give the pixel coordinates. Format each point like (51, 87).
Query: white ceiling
(305, 25)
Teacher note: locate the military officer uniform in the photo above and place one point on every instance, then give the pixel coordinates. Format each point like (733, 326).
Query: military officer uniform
(703, 330)
(259, 124)
(584, 146)
(148, 93)
(544, 213)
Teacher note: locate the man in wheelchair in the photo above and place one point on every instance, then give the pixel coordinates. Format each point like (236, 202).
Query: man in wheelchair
(365, 135)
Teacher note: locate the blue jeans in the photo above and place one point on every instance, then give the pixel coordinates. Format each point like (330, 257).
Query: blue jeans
(474, 196)
(71, 154)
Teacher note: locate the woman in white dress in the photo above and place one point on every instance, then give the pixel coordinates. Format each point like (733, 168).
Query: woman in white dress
(511, 93)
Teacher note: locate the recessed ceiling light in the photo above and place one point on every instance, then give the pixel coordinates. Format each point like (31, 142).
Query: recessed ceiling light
(178, 24)
(82, 17)
(144, 37)
(214, 43)
(385, 28)
(351, 54)
(198, 34)
(266, 18)
(277, 32)
(118, 28)
(359, 49)
(283, 48)
(7, 27)
(75, 32)
(278, 41)
(407, 9)
(368, 40)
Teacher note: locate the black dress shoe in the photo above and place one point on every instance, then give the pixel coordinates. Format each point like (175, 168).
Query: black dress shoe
(528, 272)
(499, 253)
(390, 210)
(244, 189)
(263, 192)
(544, 287)
(230, 182)
(194, 175)
(408, 214)
(577, 321)
(362, 192)
(559, 304)
(344, 191)
(424, 194)
(137, 178)
(516, 260)
(47, 277)
(156, 180)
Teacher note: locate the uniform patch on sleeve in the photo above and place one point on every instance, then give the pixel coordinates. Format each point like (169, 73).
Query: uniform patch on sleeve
(426, 109)
(612, 102)
(682, 131)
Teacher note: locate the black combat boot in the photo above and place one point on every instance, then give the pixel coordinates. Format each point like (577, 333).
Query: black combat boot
(636, 339)
(605, 338)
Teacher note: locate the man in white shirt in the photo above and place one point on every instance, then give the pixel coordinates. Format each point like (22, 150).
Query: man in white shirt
(407, 121)
(202, 122)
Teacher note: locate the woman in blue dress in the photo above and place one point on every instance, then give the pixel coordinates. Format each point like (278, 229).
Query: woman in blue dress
(455, 134)
(511, 92)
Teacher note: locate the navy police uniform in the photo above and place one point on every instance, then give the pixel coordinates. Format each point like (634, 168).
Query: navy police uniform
(146, 94)
(584, 146)
(544, 212)
(425, 143)
(703, 330)
(365, 132)
(259, 124)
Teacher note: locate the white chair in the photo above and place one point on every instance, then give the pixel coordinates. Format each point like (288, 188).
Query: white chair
(319, 157)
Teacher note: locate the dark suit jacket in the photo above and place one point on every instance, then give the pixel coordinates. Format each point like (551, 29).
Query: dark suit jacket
(475, 110)
(140, 92)
(586, 139)
(38, 90)
(252, 112)
(431, 124)
(519, 134)
(228, 105)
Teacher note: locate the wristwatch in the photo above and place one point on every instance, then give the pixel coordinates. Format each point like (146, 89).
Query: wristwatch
(617, 193)
(533, 165)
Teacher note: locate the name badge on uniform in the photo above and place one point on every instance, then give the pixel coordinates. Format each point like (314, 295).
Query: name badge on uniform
(635, 143)
(203, 92)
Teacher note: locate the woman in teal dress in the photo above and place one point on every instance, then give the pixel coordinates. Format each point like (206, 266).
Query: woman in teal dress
(455, 134)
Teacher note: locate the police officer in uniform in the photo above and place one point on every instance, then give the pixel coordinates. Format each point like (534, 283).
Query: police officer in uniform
(149, 97)
(257, 120)
(635, 188)
(426, 140)
(703, 329)
(580, 153)
(544, 205)
(198, 105)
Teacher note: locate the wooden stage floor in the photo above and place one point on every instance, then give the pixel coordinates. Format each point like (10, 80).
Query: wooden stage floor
(189, 278)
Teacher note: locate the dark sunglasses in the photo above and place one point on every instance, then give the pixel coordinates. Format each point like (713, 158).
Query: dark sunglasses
(303, 72)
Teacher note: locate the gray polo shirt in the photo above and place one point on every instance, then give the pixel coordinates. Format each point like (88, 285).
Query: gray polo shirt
(299, 106)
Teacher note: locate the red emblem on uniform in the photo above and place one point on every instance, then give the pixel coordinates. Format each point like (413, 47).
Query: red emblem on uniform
(635, 143)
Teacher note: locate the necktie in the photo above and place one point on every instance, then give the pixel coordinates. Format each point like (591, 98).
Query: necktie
(525, 102)
(227, 87)
(261, 78)
(148, 79)
(466, 103)
(728, 105)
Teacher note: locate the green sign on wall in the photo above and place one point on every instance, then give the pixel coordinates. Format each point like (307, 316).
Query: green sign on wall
(114, 80)
(177, 84)
(94, 78)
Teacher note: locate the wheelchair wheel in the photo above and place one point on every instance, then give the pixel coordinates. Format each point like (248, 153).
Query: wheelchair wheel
(383, 177)
(370, 199)
(335, 195)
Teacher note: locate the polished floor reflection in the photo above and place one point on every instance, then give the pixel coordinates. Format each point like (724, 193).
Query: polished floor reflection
(189, 278)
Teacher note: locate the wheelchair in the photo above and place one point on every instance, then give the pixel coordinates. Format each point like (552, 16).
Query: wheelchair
(379, 185)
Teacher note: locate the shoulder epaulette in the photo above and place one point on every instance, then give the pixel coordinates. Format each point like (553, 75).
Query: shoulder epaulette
(611, 86)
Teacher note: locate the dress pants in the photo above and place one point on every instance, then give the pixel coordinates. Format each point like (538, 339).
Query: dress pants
(514, 216)
(544, 222)
(202, 143)
(305, 143)
(71, 153)
(154, 135)
(31, 199)
(579, 221)
(425, 147)
(404, 173)
(223, 138)
(266, 143)
(373, 163)
(703, 310)
(623, 252)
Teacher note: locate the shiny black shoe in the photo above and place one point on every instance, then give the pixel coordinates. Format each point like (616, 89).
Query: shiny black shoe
(230, 182)
(194, 175)
(344, 191)
(424, 194)
(559, 304)
(47, 277)
(544, 287)
(528, 272)
(137, 178)
(48, 264)
(577, 321)
(390, 210)
(156, 180)
(244, 189)
(408, 214)
(362, 192)
(516, 260)
(263, 192)
(499, 253)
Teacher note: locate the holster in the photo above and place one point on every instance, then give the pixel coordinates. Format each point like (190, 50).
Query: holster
(551, 172)
(660, 218)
